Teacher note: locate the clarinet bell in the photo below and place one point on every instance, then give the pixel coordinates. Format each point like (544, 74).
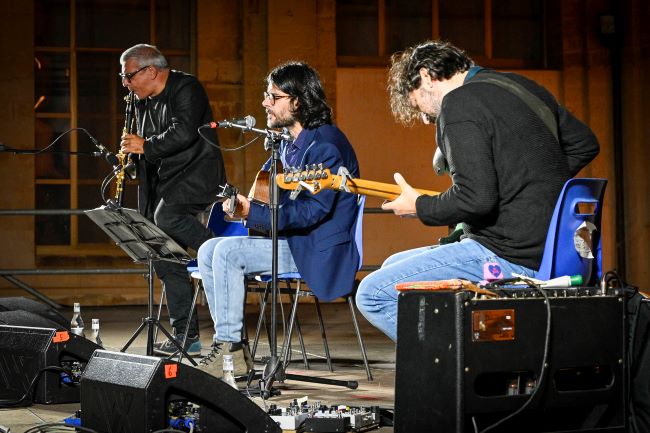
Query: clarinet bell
(130, 169)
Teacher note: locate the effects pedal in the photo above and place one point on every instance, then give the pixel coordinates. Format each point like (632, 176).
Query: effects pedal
(342, 419)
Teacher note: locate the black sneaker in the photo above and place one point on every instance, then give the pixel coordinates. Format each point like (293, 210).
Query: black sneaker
(192, 346)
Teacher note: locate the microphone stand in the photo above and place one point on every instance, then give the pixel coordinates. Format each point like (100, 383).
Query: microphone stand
(273, 364)
(274, 368)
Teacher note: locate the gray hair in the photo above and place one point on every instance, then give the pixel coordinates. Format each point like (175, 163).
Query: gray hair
(145, 55)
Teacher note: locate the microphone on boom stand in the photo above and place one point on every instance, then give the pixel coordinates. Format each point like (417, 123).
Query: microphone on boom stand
(247, 123)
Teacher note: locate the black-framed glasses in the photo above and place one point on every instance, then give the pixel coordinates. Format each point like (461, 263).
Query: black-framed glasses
(268, 96)
(130, 75)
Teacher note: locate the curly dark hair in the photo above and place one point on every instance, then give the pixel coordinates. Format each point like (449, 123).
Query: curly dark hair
(301, 81)
(441, 59)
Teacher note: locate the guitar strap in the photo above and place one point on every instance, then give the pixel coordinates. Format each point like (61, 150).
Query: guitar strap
(533, 102)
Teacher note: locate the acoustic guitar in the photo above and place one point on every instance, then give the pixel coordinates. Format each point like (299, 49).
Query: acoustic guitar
(260, 192)
(316, 179)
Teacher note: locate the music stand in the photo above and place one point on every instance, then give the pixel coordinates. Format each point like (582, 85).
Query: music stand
(144, 242)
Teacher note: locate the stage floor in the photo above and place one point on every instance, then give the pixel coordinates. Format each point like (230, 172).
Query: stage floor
(119, 323)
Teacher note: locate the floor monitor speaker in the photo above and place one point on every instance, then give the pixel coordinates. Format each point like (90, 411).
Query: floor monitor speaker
(123, 392)
(25, 354)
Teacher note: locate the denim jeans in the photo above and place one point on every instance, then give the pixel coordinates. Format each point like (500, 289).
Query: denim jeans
(377, 297)
(223, 264)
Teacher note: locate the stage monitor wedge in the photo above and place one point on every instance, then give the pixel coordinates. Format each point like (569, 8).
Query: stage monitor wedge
(25, 351)
(123, 392)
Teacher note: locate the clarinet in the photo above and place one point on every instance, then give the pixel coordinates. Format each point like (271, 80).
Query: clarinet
(124, 159)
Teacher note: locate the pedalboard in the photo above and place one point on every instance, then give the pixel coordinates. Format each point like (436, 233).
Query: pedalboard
(303, 417)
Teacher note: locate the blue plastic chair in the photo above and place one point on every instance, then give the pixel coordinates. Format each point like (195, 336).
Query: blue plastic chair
(289, 277)
(580, 202)
(220, 227)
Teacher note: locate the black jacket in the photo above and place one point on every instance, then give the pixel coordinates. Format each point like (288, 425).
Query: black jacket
(178, 165)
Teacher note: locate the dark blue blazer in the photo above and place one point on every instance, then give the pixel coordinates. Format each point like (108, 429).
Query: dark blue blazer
(319, 228)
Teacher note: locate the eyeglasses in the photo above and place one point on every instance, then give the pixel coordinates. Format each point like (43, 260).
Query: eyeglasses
(268, 96)
(130, 75)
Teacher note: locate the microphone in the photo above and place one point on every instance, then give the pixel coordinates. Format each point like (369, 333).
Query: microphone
(110, 158)
(243, 123)
(247, 123)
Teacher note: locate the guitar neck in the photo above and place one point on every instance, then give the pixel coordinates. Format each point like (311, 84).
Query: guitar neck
(387, 191)
(322, 179)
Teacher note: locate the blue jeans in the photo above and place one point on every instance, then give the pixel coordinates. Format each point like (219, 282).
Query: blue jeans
(223, 264)
(377, 297)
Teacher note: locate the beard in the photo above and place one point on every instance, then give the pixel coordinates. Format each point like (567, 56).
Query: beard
(433, 103)
(282, 119)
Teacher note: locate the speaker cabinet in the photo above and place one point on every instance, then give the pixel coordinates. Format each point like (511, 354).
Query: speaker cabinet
(21, 304)
(462, 360)
(122, 392)
(25, 351)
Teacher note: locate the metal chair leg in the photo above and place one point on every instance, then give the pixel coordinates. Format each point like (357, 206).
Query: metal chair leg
(359, 339)
(323, 336)
(197, 289)
(284, 321)
(260, 321)
(287, 340)
(301, 340)
(160, 304)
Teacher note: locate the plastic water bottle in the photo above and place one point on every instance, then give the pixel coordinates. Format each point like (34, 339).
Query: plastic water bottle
(77, 323)
(228, 371)
(96, 337)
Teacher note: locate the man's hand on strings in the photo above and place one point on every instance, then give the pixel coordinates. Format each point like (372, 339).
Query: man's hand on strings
(242, 207)
(404, 205)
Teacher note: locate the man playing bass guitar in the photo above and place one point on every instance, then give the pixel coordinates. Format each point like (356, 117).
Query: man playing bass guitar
(316, 231)
(507, 161)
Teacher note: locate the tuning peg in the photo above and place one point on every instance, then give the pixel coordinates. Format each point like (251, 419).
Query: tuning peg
(311, 173)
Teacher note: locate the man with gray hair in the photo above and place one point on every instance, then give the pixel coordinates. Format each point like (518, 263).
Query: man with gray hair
(179, 171)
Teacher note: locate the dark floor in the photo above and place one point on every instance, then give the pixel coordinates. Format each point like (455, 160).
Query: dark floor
(119, 323)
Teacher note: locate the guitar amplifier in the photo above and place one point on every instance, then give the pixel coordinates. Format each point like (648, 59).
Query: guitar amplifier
(463, 361)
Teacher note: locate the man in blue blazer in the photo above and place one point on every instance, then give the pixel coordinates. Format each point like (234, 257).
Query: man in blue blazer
(316, 231)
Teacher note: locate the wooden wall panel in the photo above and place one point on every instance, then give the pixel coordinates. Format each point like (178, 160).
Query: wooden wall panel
(238, 42)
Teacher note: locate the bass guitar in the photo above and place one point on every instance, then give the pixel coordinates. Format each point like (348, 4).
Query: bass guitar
(316, 179)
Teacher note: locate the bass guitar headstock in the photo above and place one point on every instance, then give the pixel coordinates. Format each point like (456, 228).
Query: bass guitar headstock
(313, 178)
